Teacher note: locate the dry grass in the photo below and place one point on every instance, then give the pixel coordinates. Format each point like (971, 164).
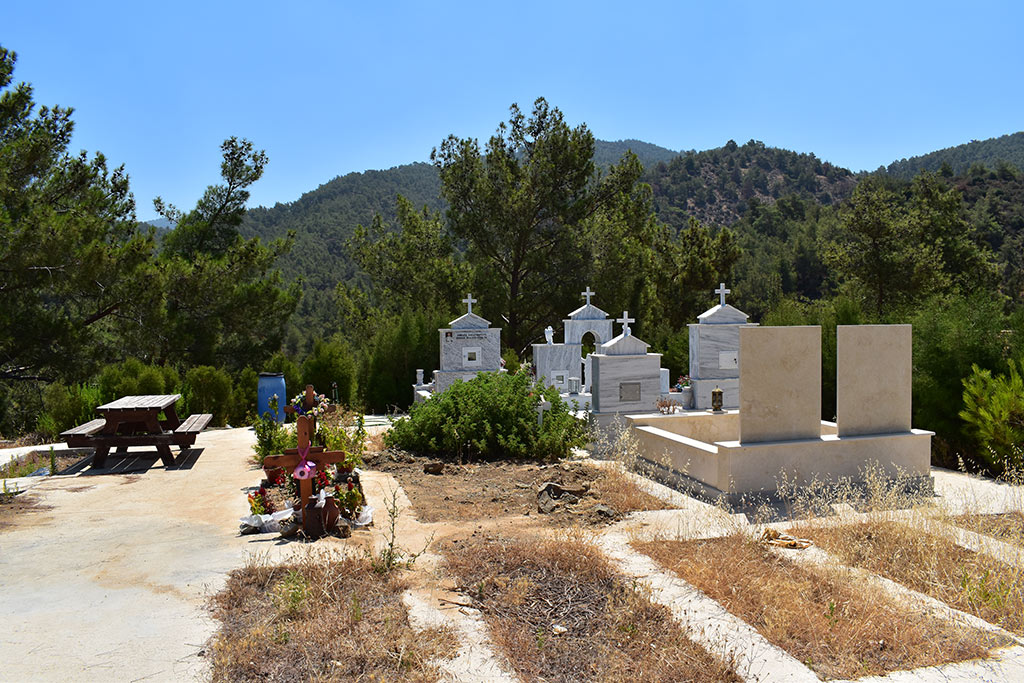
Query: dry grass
(615, 488)
(968, 581)
(838, 629)
(1007, 526)
(530, 589)
(320, 618)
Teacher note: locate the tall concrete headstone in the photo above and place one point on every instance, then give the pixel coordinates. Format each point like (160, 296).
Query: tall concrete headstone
(873, 379)
(468, 346)
(627, 379)
(780, 383)
(714, 353)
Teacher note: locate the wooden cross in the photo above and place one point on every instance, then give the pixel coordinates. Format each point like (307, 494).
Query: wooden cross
(469, 301)
(305, 428)
(626, 320)
(587, 294)
(721, 292)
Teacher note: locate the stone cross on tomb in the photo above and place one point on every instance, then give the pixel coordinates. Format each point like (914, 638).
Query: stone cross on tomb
(320, 457)
(469, 301)
(721, 292)
(587, 294)
(626, 320)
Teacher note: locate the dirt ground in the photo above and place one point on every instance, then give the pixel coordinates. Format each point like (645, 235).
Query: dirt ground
(486, 490)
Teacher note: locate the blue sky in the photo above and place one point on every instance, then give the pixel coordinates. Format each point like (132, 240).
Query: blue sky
(327, 88)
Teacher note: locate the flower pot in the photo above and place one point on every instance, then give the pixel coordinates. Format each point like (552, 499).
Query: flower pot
(273, 473)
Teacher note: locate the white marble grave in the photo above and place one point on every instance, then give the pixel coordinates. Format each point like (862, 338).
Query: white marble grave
(626, 379)
(714, 353)
(468, 346)
(555, 363)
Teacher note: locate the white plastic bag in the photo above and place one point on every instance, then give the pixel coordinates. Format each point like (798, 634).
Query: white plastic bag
(365, 517)
(267, 523)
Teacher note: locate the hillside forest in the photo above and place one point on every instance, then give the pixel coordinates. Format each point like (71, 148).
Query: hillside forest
(345, 287)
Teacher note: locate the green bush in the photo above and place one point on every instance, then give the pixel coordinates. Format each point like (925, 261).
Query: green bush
(492, 416)
(208, 390)
(66, 406)
(133, 377)
(272, 438)
(994, 414)
(329, 362)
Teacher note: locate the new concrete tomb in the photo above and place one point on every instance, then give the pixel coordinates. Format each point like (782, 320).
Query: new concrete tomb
(468, 345)
(777, 430)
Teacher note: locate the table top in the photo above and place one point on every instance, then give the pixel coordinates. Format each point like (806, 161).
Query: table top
(158, 402)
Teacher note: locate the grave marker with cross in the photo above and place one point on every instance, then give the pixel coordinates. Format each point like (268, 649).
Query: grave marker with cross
(721, 292)
(305, 428)
(587, 294)
(469, 301)
(626, 320)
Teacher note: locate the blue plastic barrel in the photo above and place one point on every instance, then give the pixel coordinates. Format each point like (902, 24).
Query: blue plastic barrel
(271, 383)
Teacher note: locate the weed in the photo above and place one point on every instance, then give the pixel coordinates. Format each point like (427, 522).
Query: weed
(292, 592)
(392, 555)
(8, 493)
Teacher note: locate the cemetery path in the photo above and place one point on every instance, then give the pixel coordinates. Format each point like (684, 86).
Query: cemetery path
(108, 578)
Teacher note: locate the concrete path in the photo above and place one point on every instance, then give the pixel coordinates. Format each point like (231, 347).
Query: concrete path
(110, 582)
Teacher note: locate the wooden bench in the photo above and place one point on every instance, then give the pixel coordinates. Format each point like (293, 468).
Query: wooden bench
(194, 424)
(87, 429)
(185, 435)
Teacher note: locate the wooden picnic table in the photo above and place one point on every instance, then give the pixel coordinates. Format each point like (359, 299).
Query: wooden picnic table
(135, 421)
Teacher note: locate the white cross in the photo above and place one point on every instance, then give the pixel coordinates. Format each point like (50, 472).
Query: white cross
(588, 294)
(721, 292)
(469, 301)
(626, 320)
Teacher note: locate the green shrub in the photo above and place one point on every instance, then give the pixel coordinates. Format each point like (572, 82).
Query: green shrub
(271, 437)
(994, 414)
(133, 377)
(511, 358)
(208, 390)
(492, 416)
(66, 406)
(329, 362)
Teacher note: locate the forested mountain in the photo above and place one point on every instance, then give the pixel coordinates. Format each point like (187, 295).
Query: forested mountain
(717, 185)
(608, 153)
(1007, 148)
